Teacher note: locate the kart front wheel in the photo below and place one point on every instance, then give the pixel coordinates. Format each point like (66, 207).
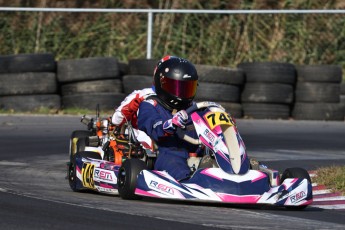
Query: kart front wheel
(295, 173)
(127, 178)
(299, 173)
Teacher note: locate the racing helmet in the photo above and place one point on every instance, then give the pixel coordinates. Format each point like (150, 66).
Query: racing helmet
(175, 80)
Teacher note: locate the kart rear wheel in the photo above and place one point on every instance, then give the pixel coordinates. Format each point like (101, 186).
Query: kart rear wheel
(72, 172)
(127, 178)
(295, 173)
(75, 136)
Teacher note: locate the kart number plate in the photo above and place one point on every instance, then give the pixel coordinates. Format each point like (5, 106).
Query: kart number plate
(218, 118)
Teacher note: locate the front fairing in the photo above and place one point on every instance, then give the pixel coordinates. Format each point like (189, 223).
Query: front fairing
(213, 184)
(218, 132)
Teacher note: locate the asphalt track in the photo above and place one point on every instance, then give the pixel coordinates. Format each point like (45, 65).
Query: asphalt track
(35, 195)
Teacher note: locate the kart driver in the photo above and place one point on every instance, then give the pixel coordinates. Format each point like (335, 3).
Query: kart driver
(175, 82)
(127, 111)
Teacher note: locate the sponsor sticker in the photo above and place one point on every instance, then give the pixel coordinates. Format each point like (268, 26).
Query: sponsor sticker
(162, 187)
(103, 175)
(209, 135)
(297, 197)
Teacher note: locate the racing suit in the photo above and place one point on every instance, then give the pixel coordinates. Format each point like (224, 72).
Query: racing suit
(129, 106)
(127, 111)
(173, 152)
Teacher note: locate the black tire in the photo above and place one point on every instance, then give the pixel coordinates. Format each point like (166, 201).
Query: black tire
(266, 111)
(342, 104)
(71, 173)
(28, 83)
(127, 178)
(342, 88)
(142, 66)
(90, 154)
(21, 63)
(295, 173)
(217, 92)
(123, 68)
(268, 93)
(107, 101)
(30, 103)
(319, 73)
(75, 136)
(317, 92)
(87, 69)
(214, 74)
(136, 82)
(150, 163)
(235, 109)
(270, 72)
(318, 111)
(85, 87)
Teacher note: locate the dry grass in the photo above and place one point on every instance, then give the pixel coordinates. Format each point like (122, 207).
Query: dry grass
(332, 177)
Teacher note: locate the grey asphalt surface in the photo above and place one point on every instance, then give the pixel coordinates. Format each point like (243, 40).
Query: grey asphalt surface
(35, 195)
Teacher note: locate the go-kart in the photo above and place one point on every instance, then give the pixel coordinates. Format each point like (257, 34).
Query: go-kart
(222, 174)
(96, 154)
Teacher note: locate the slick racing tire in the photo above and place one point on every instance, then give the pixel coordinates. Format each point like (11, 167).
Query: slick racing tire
(127, 178)
(75, 137)
(72, 171)
(295, 173)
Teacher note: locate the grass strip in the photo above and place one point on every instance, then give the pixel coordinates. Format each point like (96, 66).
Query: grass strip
(332, 177)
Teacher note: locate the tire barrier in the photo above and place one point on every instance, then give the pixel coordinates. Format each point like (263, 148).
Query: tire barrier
(221, 85)
(142, 66)
(269, 72)
(28, 82)
(139, 75)
(259, 90)
(317, 93)
(342, 97)
(135, 82)
(22, 63)
(87, 82)
(25, 103)
(106, 101)
(269, 89)
(87, 69)
(85, 87)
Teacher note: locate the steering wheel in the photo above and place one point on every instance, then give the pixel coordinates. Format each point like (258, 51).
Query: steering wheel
(182, 133)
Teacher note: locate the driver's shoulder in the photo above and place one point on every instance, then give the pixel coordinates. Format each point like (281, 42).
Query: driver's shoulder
(149, 102)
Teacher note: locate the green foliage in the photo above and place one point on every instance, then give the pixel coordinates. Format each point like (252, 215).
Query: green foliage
(215, 39)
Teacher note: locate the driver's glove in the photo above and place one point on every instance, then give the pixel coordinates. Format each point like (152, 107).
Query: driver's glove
(178, 120)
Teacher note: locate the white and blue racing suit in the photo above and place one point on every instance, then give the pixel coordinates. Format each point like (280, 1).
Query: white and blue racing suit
(173, 152)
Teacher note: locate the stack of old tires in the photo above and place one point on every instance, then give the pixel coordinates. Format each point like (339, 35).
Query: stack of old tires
(269, 89)
(317, 94)
(342, 97)
(87, 82)
(140, 74)
(221, 85)
(28, 82)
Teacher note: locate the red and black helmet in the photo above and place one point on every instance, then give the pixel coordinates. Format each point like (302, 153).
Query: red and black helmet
(176, 81)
